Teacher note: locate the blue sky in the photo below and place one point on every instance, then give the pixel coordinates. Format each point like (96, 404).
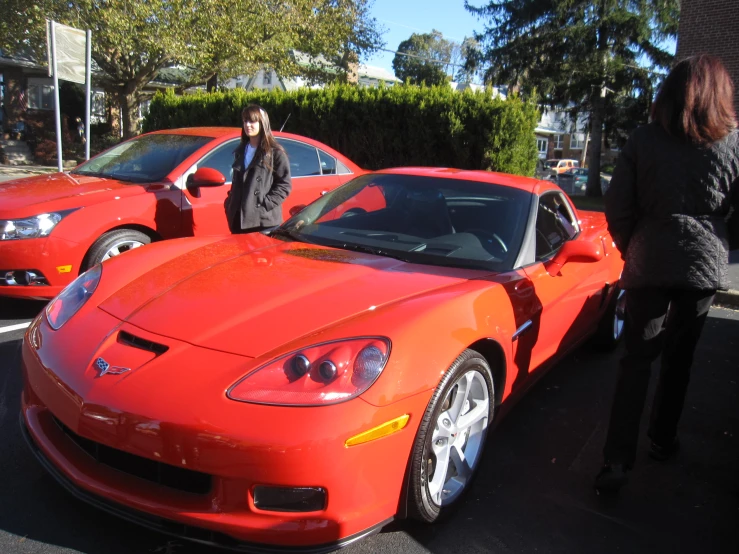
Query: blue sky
(402, 18)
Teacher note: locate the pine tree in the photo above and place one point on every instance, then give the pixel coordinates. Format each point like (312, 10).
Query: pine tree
(582, 56)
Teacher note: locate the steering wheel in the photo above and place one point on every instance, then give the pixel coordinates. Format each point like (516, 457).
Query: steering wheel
(492, 239)
(353, 211)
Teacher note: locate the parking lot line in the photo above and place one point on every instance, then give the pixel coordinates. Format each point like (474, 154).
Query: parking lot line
(10, 328)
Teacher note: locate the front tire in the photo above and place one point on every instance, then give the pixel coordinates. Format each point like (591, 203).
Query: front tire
(113, 243)
(611, 326)
(451, 438)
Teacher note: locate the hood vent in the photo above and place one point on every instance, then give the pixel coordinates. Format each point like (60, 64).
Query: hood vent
(143, 344)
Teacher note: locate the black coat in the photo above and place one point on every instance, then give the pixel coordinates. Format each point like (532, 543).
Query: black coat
(667, 208)
(257, 192)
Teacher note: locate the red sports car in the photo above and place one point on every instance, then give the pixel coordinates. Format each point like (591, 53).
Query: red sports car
(303, 388)
(155, 186)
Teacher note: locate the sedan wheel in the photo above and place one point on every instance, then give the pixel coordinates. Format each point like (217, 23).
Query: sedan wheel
(611, 326)
(451, 438)
(619, 315)
(114, 243)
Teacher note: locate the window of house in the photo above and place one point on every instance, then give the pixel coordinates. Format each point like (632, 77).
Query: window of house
(144, 108)
(577, 141)
(541, 146)
(267, 77)
(97, 106)
(40, 94)
(559, 142)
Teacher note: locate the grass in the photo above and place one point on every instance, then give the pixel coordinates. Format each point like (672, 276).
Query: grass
(589, 203)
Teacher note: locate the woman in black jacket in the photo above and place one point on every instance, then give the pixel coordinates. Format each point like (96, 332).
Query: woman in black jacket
(261, 176)
(675, 183)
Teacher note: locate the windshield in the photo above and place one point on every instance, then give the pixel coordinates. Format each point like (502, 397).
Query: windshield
(142, 160)
(418, 219)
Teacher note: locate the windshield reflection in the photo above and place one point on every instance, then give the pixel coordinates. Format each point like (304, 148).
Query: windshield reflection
(418, 219)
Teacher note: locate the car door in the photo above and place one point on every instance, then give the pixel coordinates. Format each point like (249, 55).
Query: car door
(568, 301)
(313, 171)
(203, 213)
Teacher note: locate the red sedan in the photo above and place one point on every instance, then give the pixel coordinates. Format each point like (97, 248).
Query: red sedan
(303, 388)
(153, 187)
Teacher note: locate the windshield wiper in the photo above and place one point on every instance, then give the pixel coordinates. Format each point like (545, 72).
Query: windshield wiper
(372, 250)
(281, 232)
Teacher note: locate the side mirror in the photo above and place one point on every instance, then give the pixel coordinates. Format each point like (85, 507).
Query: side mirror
(574, 251)
(296, 209)
(204, 177)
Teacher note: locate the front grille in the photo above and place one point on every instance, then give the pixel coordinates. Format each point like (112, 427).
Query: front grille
(177, 478)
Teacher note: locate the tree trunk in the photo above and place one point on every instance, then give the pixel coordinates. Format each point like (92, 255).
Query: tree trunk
(211, 84)
(596, 139)
(130, 114)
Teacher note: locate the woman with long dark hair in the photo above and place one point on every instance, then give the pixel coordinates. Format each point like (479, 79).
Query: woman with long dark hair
(261, 176)
(672, 191)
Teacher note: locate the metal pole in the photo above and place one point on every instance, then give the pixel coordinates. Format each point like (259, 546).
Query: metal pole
(88, 79)
(57, 111)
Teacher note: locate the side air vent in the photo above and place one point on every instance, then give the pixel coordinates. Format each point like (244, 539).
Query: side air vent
(143, 344)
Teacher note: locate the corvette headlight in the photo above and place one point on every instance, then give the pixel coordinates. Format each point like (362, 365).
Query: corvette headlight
(319, 375)
(29, 227)
(73, 297)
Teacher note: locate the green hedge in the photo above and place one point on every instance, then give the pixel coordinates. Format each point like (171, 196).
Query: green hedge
(379, 127)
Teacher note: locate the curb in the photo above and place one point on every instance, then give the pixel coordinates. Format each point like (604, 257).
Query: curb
(727, 298)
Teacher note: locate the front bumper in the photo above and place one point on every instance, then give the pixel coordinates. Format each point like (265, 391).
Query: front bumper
(57, 260)
(238, 445)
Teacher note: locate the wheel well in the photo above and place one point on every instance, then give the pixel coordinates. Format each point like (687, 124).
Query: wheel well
(495, 357)
(151, 233)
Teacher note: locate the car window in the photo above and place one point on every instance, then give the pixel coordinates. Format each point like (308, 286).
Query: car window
(341, 169)
(303, 158)
(554, 225)
(328, 163)
(221, 159)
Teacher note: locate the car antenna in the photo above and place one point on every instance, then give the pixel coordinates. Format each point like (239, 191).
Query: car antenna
(283, 125)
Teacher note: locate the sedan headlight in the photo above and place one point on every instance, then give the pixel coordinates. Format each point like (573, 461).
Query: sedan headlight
(30, 227)
(73, 297)
(318, 375)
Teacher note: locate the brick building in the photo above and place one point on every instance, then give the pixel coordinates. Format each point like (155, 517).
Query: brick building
(712, 27)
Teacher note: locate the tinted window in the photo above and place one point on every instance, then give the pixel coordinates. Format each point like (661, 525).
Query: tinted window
(554, 225)
(221, 159)
(144, 159)
(303, 158)
(328, 163)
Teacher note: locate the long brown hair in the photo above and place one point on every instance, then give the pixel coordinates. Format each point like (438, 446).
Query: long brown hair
(696, 101)
(267, 141)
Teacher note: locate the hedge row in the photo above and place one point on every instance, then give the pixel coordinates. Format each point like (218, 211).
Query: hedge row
(379, 127)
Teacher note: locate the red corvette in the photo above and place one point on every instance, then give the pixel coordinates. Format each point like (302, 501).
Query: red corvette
(303, 388)
(153, 187)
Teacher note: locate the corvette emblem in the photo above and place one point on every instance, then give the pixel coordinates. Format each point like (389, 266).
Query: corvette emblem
(105, 367)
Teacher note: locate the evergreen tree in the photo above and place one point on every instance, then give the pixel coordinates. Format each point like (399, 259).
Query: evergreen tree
(582, 56)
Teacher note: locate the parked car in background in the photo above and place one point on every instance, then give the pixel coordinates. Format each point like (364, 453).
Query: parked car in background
(574, 181)
(560, 166)
(160, 185)
(543, 171)
(298, 390)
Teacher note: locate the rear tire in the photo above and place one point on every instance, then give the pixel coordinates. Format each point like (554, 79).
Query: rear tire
(113, 243)
(611, 326)
(451, 438)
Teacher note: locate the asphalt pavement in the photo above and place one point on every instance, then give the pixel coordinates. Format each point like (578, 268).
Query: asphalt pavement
(533, 492)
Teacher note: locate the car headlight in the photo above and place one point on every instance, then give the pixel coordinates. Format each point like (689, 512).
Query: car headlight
(29, 227)
(319, 375)
(73, 297)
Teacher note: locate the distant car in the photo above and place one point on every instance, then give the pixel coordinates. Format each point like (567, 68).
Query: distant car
(160, 185)
(543, 171)
(560, 166)
(298, 390)
(575, 181)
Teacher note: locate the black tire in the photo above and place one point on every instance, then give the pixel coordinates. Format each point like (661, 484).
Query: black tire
(611, 326)
(119, 241)
(428, 499)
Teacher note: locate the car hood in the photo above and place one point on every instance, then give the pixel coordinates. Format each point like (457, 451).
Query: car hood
(250, 301)
(59, 191)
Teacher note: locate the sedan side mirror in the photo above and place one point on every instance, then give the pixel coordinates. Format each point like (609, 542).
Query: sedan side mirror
(297, 209)
(204, 177)
(574, 251)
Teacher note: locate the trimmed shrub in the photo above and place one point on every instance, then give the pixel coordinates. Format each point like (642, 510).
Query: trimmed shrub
(377, 127)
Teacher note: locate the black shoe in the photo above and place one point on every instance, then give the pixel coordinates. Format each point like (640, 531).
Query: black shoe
(662, 453)
(611, 478)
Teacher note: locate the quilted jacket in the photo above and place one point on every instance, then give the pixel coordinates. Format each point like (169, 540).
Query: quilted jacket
(667, 209)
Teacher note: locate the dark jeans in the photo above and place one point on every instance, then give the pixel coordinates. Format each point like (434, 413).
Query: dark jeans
(651, 331)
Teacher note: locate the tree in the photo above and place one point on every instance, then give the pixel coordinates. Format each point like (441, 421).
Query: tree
(424, 58)
(134, 39)
(583, 56)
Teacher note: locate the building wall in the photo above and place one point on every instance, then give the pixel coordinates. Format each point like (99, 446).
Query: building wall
(712, 27)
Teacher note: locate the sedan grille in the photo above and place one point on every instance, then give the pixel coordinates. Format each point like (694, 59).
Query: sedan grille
(184, 480)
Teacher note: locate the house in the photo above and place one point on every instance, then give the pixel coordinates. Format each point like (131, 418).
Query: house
(557, 137)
